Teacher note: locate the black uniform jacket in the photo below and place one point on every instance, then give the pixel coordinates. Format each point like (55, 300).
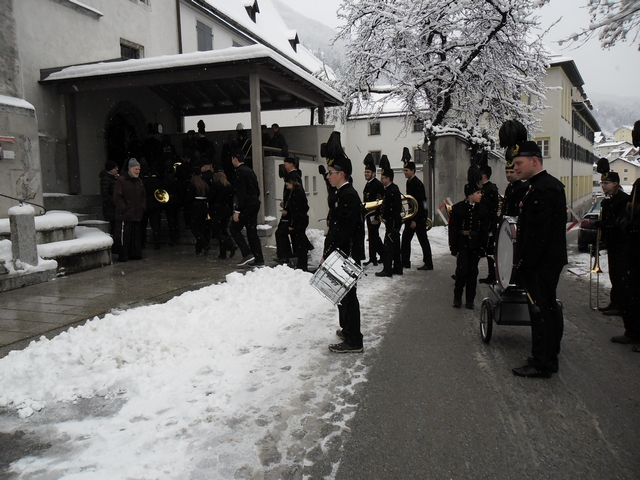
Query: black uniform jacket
(468, 227)
(415, 188)
(373, 191)
(513, 195)
(541, 240)
(613, 212)
(297, 208)
(491, 200)
(392, 207)
(346, 227)
(247, 189)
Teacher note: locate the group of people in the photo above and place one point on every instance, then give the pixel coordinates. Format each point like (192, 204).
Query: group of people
(395, 251)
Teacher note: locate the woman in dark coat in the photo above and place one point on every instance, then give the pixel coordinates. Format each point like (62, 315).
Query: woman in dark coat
(221, 209)
(197, 201)
(297, 209)
(108, 179)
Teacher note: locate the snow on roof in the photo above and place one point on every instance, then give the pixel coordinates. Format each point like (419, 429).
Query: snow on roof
(268, 28)
(378, 105)
(188, 60)
(15, 102)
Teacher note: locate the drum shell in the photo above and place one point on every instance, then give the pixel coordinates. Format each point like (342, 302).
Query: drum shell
(505, 251)
(336, 276)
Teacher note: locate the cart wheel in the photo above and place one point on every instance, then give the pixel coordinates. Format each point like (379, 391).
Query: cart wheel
(486, 320)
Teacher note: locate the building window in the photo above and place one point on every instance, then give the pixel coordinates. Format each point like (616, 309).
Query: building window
(544, 147)
(130, 50)
(626, 170)
(252, 10)
(315, 185)
(205, 37)
(374, 128)
(306, 183)
(419, 156)
(625, 179)
(376, 154)
(418, 125)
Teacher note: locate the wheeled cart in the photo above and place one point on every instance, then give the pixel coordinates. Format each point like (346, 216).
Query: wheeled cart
(504, 307)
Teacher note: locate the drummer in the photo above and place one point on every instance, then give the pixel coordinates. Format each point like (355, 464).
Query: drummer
(541, 253)
(468, 233)
(514, 192)
(346, 232)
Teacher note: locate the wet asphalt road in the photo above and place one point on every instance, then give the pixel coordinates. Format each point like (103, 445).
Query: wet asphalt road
(440, 403)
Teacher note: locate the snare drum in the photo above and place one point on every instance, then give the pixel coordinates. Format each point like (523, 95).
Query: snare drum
(505, 251)
(336, 276)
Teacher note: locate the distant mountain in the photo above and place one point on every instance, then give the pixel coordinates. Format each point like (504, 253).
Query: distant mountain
(314, 35)
(613, 112)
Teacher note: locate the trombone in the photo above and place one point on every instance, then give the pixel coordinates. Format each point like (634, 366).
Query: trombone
(595, 270)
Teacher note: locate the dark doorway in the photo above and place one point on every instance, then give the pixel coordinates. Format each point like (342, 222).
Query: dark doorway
(126, 127)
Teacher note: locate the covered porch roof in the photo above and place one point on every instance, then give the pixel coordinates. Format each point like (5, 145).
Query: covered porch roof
(204, 83)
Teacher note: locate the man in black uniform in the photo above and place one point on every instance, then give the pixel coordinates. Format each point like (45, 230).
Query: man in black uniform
(468, 230)
(514, 192)
(491, 200)
(392, 216)
(346, 232)
(613, 236)
(541, 253)
(418, 224)
(278, 140)
(246, 212)
(373, 191)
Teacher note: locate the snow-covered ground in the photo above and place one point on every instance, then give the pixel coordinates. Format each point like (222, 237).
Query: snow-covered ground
(226, 381)
(230, 381)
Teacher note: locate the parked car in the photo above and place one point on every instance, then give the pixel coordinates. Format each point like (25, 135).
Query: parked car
(587, 232)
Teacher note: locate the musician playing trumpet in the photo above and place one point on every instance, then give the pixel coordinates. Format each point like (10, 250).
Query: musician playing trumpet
(613, 236)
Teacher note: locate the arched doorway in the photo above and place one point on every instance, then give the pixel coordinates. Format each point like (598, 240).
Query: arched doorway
(125, 128)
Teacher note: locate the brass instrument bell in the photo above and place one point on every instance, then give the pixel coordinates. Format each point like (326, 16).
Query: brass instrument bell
(161, 195)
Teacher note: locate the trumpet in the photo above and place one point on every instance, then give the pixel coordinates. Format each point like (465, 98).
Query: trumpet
(595, 270)
(409, 208)
(161, 196)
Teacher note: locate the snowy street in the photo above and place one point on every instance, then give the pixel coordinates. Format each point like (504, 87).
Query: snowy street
(235, 381)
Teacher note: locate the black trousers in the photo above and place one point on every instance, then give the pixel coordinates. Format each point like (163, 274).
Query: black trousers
(152, 217)
(129, 235)
(349, 316)
(618, 270)
(199, 225)
(249, 221)
(219, 229)
(466, 274)
(301, 248)
(173, 222)
(547, 323)
(392, 254)
(283, 245)
(631, 302)
(407, 236)
(376, 247)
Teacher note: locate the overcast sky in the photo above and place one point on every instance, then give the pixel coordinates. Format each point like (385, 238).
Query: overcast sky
(614, 71)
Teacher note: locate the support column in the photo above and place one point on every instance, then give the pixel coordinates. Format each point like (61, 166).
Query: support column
(24, 248)
(256, 138)
(73, 156)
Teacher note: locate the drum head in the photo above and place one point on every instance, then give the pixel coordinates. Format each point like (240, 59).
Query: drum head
(505, 247)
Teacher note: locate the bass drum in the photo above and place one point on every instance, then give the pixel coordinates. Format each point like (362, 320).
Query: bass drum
(505, 251)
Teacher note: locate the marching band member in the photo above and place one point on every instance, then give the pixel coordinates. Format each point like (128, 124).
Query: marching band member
(541, 253)
(392, 215)
(613, 207)
(468, 231)
(373, 191)
(491, 200)
(346, 232)
(514, 193)
(418, 224)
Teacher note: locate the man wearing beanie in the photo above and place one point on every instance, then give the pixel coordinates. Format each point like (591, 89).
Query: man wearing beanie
(468, 232)
(346, 233)
(373, 191)
(130, 199)
(541, 253)
(283, 244)
(616, 239)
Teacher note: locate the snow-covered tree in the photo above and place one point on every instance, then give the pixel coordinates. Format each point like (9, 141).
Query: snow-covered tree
(613, 21)
(457, 65)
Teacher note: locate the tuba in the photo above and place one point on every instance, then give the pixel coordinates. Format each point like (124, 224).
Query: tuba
(409, 208)
(161, 195)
